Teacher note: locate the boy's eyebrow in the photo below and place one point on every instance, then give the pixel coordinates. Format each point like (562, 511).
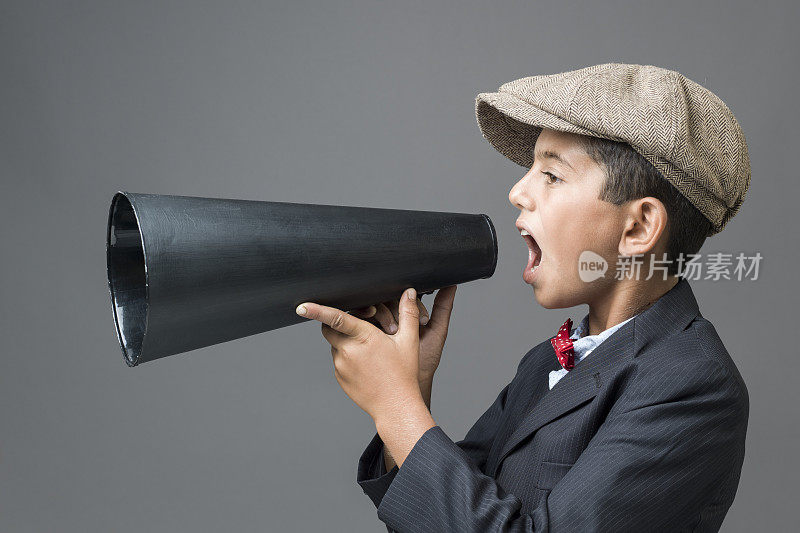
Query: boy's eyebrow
(550, 154)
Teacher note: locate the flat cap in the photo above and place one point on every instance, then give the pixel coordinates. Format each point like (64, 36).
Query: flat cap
(683, 129)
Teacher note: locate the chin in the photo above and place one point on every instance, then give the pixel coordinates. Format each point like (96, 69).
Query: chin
(567, 294)
(551, 303)
(545, 298)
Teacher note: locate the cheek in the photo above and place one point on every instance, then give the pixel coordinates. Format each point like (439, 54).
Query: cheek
(560, 227)
(558, 216)
(573, 229)
(601, 235)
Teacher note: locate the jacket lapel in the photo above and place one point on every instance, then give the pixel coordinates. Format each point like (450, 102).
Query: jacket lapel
(670, 313)
(578, 386)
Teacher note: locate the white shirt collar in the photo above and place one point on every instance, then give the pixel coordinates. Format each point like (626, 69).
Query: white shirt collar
(583, 346)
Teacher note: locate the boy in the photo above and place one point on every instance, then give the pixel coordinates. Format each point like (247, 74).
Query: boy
(636, 419)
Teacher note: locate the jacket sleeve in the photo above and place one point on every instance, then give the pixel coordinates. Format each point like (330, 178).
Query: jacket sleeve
(653, 465)
(372, 475)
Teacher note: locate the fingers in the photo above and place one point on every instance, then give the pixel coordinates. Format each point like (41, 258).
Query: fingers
(423, 313)
(392, 306)
(364, 312)
(333, 337)
(335, 318)
(386, 314)
(409, 315)
(386, 318)
(442, 308)
(392, 314)
(380, 315)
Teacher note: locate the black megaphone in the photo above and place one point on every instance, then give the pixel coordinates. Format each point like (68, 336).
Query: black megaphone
(187, 272)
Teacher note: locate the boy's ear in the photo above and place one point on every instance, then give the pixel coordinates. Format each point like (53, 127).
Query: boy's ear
(645, 223)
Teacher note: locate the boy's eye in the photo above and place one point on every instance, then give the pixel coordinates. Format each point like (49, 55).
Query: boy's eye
(551, 178)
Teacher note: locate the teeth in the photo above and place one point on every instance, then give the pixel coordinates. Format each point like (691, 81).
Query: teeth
(523, 232)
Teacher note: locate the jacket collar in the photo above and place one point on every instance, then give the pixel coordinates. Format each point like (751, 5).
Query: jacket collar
(671, 313)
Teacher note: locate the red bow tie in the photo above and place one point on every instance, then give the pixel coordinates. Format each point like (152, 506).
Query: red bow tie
(562, 344)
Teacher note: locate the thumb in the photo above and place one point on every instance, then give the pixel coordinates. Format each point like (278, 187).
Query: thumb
(409, 315)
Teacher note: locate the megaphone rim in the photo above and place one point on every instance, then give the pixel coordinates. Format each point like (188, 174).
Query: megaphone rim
(130, 355)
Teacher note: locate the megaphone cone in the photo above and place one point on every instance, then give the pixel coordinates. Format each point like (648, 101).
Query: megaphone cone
(187, 272)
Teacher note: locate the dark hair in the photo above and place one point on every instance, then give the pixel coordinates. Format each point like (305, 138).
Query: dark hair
(629, 176)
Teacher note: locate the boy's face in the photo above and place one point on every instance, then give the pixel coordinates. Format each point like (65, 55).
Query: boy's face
(565, 217)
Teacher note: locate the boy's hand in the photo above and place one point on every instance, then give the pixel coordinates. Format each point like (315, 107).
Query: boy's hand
(433, 331)
(378, 372)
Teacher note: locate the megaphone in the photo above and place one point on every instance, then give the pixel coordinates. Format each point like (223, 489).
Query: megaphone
(188, 272)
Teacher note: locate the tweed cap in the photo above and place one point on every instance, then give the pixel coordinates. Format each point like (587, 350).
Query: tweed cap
(683, 129)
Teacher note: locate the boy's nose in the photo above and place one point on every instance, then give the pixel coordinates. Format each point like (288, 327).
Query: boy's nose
(512, 196)
(519, 197)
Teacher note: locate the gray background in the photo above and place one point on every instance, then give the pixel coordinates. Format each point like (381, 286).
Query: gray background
(346, 102)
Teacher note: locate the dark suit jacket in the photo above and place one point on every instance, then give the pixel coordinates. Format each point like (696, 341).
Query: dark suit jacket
(646, 433)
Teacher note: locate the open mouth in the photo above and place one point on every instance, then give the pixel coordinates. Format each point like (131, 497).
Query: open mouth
(534, 252)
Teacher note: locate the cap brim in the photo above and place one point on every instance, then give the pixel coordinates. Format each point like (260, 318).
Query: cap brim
(512, 125)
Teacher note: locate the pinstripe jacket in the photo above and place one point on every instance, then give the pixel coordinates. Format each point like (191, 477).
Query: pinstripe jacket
(647, 433)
